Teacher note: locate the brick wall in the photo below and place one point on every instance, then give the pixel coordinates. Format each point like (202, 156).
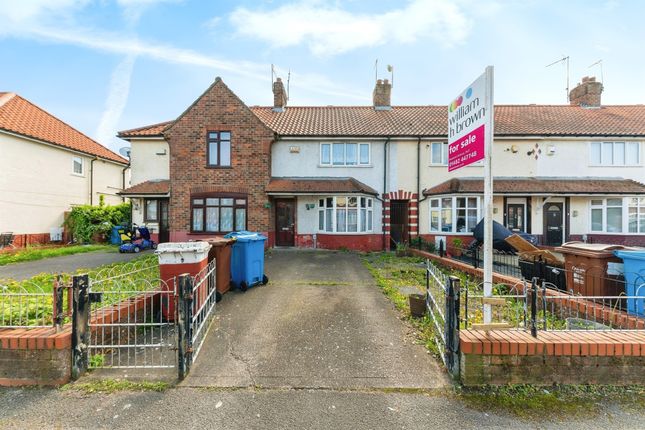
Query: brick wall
(565, 357)
(35, 357)
(219, 109)
(357, 242)
(413, 213)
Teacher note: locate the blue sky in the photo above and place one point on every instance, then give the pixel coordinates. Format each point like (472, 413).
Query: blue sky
(109, 65)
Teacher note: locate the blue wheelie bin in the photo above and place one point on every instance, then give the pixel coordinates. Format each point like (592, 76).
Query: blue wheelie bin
(247, 259)
(634, 280)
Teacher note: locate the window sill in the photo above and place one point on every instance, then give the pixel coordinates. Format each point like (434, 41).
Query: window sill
(80, 175)
(351, 166)
(446, 233)
(344, 233)
(219, 167)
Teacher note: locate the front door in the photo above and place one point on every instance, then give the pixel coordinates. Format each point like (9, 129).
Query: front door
(398, 222)
(515, 217)
(164, 228)
(553, 224)
(285, 224)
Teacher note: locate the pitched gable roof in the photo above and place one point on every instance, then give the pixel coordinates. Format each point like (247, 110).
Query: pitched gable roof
(20, 116)
(152, 130)
(431, 121)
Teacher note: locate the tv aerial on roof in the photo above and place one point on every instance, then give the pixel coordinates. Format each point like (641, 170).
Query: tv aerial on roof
(599, 63)
(564, 60)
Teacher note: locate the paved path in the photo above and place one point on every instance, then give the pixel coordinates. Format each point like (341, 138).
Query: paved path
(64, 264)
(195, 408)
(320, 347)
(322, 323)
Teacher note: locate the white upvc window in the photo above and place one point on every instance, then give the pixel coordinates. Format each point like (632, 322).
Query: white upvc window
(614, 153)
(608, 215)
(345, 154)
(77, 166)
(454, 214)
(439, 153)
(345, 214)
(636, 214)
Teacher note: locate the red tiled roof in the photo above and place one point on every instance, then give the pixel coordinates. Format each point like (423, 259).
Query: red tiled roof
(318, 186)
(541, 185)
(159, 186)
(20, 116)
(146, 131)
(510, 120)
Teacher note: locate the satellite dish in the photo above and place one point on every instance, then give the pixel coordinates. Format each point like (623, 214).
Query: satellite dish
(125, 151)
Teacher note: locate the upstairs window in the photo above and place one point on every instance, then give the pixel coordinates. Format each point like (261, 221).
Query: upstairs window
(614, 153)
(345, 154)
(439, 153)
(218, 149)
(77, 165)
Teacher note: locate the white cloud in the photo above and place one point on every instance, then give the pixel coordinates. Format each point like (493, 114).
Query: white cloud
(35, 22)
(330, 30)
(133, 9)
(116, 100)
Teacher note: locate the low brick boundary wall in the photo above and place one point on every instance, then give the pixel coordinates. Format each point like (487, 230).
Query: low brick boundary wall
(564, 357)
(601, 313)
(39, 356)
(43, 356)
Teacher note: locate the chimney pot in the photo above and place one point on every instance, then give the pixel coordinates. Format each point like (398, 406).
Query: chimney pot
(382, 94)
(586, 93)
(279, 96)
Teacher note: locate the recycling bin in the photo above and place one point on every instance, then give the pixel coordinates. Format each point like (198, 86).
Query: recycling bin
(220, 251)
(592, 268)
(178, 258)
(247, 259)
(634, 264)
(116, 234)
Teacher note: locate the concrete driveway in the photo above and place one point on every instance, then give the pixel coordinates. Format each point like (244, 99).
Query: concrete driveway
(321, 322)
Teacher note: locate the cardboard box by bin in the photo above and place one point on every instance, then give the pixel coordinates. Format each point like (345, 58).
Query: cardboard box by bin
(592, 268)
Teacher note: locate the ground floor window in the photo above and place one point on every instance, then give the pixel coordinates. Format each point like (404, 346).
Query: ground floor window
(218, 213)
(618, 215)
(345, 214)
(151, 210)
(454, 214)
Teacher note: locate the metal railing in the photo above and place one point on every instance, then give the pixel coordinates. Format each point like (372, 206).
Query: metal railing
(196, 306)
(28, 304)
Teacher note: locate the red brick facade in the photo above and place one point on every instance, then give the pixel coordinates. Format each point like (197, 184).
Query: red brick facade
(219, 109)
(357, 242)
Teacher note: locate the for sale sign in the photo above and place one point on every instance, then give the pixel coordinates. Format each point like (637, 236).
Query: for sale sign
(468, 121)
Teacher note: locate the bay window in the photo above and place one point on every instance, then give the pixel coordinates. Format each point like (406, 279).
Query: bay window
(345, 214)
(218, 213)
(636, 215)
(345, 154)
(454, 214)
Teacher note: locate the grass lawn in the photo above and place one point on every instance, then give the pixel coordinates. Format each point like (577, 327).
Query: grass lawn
(38, 253)
(29, 302)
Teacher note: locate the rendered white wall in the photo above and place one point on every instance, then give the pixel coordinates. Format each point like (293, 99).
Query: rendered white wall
(145, 161)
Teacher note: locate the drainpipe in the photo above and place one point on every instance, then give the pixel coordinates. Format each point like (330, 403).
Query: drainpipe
(385, 146)
(92, 180)
(123, 179)
(418, 185)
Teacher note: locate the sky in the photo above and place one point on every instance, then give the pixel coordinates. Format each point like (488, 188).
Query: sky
(109, 65)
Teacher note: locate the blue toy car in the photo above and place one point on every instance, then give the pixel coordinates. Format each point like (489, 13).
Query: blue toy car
(138, 242)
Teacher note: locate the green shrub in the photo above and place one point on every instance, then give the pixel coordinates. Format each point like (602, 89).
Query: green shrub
(85, 221)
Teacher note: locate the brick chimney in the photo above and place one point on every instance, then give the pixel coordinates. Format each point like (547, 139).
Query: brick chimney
(381, 95)
(279, 96)
(587, 93)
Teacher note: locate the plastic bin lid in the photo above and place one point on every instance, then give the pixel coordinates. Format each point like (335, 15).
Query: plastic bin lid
(182, 247)
(631, 255)
(217, 241)
(245, 236)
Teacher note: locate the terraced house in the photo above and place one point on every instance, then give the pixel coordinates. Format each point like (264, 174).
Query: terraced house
(368, 177)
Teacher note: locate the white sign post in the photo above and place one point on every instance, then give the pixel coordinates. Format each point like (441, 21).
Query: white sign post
(470, 139)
